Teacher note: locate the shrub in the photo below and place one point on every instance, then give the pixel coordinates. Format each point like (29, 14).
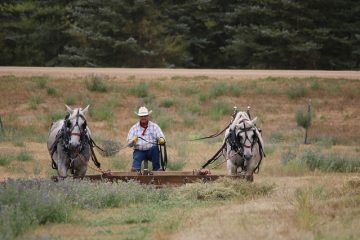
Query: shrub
(176, 165)
(219, 109)
(167, 103)
(24, 156)
(41, 81)
(218, 89)
(70, 100)
(329, 162)
(303, 119)
(51, 91)
(140, 90)
(96, 84)
(35, 101)
(276, 137)
(57, 115)
(295, 92)
(5, 159)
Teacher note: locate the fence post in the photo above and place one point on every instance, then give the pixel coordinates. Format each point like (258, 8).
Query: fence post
(1, 126)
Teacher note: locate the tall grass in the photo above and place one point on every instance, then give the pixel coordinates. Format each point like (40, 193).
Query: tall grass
(41, 81)
(330, 162)
(5, 159)
(26, 204)
(96, 84)
(313, 159)
(219, 109)
(140, 90)
(35, 101)
(296, 91)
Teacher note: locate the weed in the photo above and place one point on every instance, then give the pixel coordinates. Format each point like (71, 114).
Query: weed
(5, 159)
(70, 100)
(276, 137)
(56, 116)
(296, 91)
(51, 91)
(41, 81)
(140, 90)
(35, 101)
(219, 109)
(24, 156)
(305, 208)
(168, 102)
(218, 89)
(96, 84)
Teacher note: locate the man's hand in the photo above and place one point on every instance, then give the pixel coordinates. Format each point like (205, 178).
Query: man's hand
(161, 141)
(134, 139)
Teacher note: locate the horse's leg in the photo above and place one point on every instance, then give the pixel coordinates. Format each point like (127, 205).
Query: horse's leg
(251, 165)
(62, 161)
(81, 162)
(231, 163)
(231, 168)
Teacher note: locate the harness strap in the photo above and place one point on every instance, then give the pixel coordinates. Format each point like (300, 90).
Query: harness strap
(216, 156)
(211, 136)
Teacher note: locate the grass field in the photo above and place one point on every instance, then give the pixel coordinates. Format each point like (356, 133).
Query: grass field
(303, 191)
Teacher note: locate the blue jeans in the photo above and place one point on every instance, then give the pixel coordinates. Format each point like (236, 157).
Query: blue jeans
(151, 154)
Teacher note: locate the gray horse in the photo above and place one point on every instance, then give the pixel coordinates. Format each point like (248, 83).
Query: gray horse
(69, 143)
(244, 147)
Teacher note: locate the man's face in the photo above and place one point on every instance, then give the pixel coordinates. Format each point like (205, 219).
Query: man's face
(144, 119)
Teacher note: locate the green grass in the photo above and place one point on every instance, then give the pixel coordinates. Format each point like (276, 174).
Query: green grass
(26, 204)
(96, 84)
(35, 101)
(41, 81)
(70, 100)
(5, 159)
(219, 109)
(168, 102)
(24, 156)
(140, 90)
(296, 91)
(51, 91)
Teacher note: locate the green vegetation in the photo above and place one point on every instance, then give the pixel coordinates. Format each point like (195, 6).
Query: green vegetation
(314, 159)
(188, 34)
(96, 84)
(29, 203)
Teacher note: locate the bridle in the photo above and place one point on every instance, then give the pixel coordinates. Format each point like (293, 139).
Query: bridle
(239, 145)
(67, 132)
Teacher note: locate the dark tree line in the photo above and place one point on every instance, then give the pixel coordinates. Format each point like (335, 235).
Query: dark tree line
(271, 34)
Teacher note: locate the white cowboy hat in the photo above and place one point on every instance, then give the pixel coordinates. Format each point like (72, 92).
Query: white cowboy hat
(143, 111)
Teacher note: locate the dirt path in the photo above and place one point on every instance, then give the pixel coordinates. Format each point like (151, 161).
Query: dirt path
(158, 73)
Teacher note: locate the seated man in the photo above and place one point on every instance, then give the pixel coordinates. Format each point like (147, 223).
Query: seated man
(144, 137)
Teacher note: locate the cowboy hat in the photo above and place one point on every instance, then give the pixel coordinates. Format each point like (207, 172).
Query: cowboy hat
(143, 111)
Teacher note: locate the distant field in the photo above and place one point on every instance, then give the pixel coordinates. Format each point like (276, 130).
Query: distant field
(315, 187)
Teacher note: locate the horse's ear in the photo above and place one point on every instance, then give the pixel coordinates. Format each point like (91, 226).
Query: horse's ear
(254, 120)
(68, 109)
(85, 109)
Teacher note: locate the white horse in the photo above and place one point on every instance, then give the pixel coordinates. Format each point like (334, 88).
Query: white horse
(244, 147)
(69, 143)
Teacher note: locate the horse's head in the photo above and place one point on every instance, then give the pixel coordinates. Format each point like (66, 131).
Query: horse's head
(246, 134)
(76, 127)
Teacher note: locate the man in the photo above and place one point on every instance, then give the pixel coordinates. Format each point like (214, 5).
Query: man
(144, 137)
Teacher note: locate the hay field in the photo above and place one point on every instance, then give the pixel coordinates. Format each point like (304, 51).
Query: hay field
(307, 201)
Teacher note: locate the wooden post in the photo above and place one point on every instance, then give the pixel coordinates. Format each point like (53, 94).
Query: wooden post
(2, 126)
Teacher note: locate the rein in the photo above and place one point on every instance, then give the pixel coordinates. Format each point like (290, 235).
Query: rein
(211, 136)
